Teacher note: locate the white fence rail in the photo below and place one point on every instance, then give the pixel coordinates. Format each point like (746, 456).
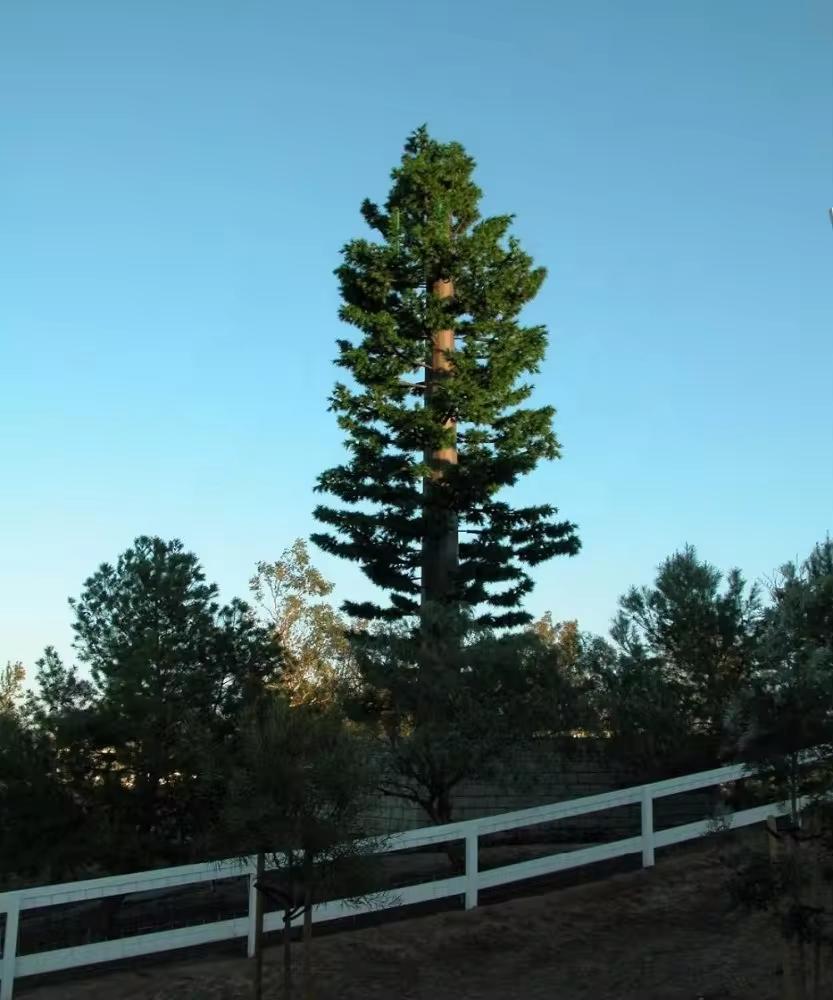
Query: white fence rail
(15, 966)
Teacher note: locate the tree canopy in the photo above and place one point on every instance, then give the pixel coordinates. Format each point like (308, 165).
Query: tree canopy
(436, 413)
(170, 669)
(682, 648)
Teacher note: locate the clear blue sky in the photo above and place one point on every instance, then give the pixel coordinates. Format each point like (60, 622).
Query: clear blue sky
(176, 181)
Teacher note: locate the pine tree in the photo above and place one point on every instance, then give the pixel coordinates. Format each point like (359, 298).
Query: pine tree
(170, 669)
(786, 713)
(682, 649)
(434, 418)
(697, 639)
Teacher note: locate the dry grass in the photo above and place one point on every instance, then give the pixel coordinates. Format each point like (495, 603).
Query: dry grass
(667, 934)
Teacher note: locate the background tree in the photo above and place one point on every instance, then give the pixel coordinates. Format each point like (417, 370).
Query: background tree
(564, 636)
(787, 708)
(169, 670)
(456, 703)
(65, 715)
(60, 690)
(290, 595)
(298, 787)
(46, 779)
(40, 821)
(38, 818)
(434, 416)
(637, 711)
(166, 662)
(585, 663)
(784, 726)
(11, 687)
(682, 651)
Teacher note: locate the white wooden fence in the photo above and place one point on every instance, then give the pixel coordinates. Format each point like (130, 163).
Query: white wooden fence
(14, 966)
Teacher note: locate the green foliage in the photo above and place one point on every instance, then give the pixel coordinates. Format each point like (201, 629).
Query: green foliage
(290, 595)
(788, 706)
(636, 711)
(457, 702)
(153, 635)
(430, 230)
(565, 637)
(783, 724)
(297, 785)
(46, 825)
(11, 687)
(682, 651)
(40, 821)
(170, 670)
(296, 778)
(61, 691)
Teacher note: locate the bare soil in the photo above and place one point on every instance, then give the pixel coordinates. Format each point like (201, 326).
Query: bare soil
(664, 934)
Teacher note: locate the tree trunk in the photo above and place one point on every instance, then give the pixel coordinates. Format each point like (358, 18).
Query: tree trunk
(257, 985)
(439, 542)
(440, 813)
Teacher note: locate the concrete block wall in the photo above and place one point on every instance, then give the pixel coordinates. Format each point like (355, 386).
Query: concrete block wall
(547, 775)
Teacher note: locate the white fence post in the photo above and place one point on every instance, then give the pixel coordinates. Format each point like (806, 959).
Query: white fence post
(647, 827)
(471, 869)
(9, 948)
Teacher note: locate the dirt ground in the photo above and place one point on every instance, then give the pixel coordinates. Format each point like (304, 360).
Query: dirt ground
(665, 934)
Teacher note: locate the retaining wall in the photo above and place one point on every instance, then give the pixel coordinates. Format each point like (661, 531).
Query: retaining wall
(545, 775)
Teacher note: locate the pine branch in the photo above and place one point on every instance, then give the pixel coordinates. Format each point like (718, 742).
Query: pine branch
(474, 426)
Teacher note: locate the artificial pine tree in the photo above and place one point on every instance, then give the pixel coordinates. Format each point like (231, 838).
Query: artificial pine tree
(434, 415)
